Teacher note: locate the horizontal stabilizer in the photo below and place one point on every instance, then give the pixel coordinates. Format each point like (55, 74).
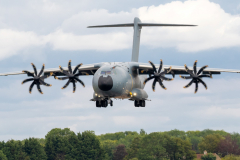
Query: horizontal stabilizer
(159, 24)
(113, 25)
(141, 25)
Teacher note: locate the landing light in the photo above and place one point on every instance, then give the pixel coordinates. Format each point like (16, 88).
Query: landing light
(134, 94)
(95, 94)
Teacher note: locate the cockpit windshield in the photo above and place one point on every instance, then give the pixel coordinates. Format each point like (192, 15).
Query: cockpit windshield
(105, 72)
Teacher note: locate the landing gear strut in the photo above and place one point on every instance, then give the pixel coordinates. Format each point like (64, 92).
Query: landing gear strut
(140, 103)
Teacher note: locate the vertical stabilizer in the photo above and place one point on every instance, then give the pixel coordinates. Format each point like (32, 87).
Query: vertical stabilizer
(137, 26)
(136, 39)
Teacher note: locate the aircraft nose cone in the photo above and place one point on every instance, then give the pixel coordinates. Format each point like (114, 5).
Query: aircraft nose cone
(105, 83)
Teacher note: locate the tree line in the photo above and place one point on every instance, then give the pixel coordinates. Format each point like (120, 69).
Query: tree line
(64, 144)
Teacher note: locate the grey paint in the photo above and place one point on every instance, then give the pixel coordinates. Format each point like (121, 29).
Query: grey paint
(125, 78)
(136, 39)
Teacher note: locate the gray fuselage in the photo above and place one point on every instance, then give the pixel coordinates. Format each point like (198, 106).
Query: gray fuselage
(117, 80)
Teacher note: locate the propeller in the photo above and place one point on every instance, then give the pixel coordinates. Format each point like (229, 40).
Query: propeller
(71, 76)
(37, 78)
(196, 76)
(158, 76)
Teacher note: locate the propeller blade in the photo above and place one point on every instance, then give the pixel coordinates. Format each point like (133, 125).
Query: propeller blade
(69, 66)
(76, 68)
(45, 84)
(195, 67)
(205, 75)
(63, 71)
(31, 86)
(74, 86)
(30, 74)
(27, 80)
(196, 88)
(203, 83)
(79, 81)
(153, 85)
(65, 86)
(200, 71)
(189, 84)
(40, 73)
(34, 68)
(166, 79)
(39, 88)
(160, 67)
(62, 78)
(173, 74)
(185, 77)
(161, 84)
(187, 70)
(148, 79)
(153, 66)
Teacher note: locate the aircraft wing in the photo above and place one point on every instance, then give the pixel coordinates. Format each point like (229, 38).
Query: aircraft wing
(145, 68)
(88, 69)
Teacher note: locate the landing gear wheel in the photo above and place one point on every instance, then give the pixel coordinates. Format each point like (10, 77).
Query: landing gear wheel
(98, 103)
(136, 103)
(143, 103)
(111, 103)
(104, 103)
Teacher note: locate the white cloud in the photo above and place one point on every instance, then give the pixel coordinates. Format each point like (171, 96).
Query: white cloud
(217, 29)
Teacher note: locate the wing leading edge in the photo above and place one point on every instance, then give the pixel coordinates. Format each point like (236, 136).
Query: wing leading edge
(145, 68)
(88, 69)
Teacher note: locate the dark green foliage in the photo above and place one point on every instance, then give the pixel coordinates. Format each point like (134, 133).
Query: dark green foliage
(91, 149)
(178, 148)
(236, 136)
(133, 149)
(210, 143)
(209, 156)
(14, 150)
(152, 147)
(2, 156)
(33, 149)
(61, 143)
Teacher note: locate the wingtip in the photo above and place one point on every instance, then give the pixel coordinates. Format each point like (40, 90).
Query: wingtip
(196, 61)
(30, 92)
(50, 85)
(70, 60)
(165, 88)
(51, 73)
(62, 88)
(41, 92)
(31, 63)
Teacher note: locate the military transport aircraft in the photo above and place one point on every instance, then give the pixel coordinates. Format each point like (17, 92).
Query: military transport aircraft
(122, 80)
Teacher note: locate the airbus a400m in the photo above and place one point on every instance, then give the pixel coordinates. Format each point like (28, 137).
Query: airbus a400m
(123, 80)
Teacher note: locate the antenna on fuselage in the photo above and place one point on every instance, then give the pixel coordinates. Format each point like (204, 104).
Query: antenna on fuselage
(137, 26)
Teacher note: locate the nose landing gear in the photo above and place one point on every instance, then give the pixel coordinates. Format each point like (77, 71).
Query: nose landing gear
(104, 103)
(140, 103)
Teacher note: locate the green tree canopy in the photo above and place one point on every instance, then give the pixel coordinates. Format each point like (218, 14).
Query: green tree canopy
(2, 156)
(33, 149)
(210, 143)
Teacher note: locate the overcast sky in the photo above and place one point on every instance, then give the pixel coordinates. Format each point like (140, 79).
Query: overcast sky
(54, 31)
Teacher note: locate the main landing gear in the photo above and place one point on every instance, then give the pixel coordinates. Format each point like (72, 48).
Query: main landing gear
(104, 103)
(140, 103)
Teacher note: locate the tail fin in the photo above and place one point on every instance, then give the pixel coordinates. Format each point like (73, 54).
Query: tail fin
(137, 26)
